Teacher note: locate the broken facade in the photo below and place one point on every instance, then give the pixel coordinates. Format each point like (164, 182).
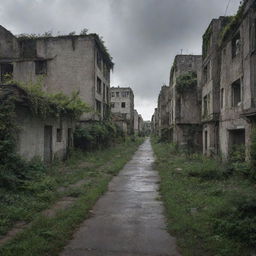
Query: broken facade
(62, 64)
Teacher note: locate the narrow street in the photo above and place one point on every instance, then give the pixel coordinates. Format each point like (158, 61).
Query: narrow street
(128, 220)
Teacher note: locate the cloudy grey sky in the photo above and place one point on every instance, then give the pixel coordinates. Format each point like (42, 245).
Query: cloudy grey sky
(143, 36)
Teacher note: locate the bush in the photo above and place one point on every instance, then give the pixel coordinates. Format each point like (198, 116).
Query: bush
(237, 219)
(253, 155)
(209, 170)
(97, 135)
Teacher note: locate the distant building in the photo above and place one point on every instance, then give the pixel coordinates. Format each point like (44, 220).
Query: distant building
(63, 63)
(163, 112)
(140, 125)
(122, 102)
(136, 122)
(48, 138)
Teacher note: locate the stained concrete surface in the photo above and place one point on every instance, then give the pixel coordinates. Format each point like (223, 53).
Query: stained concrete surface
(128, 220)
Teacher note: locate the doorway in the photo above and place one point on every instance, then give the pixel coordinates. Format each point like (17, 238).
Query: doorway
(48, 143)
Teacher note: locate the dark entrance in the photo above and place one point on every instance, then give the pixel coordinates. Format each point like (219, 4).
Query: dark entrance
(48, 144)
(6, 71)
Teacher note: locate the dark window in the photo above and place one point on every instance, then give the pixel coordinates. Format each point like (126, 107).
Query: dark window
(205, 102)
(205, 140)
(117, 94)
(112, 104)
(112, 94)
(6, 71)
(98, 106)
(236, 93)
(236, 44)
(206, 73)
(99, 60)
(237, 143)
(123, 104)
(59, 135)
(98, 85)
(222, 97)
(41, 67)
(107, 91)
(104, 92)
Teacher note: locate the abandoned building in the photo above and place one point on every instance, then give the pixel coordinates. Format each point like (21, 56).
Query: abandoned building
(163, 111)
(136, 122)
(184, 101)
(46, 138)
(140, 124)
(122, 102)
(63, 64)
(211, 86)
(237, 82)
(223, 98)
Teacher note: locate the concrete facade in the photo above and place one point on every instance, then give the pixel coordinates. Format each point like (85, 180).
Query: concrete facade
(122, 102)
(63, 64)
(45, 138)
(237, 84)
(185, 125)
(211, 86)
(136, 122)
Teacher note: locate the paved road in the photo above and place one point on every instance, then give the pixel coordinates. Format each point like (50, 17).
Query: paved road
(128, 220)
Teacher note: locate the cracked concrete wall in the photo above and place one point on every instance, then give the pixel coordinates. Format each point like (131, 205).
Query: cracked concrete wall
(30, 141)
(238, 68)
(71, 66)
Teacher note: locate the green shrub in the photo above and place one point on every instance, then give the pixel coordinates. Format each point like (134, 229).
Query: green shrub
(209, 169)
(253, 155)
(237, 219)
(97, 135)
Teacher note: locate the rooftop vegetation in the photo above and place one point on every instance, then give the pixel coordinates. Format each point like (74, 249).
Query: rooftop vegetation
(186, 82)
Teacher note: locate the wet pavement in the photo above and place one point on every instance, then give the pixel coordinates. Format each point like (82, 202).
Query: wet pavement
(128, 220)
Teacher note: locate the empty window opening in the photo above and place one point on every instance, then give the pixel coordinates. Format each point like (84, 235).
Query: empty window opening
(205, 140)
(112, 104)
(6, 71)
(99, 60)
(104, 92)
(237, 143)
(123, 105)
(236, 45)
(98, 106)
(98, 85)
(41, 67)
(236, 93)
(222, 97)
(205, 105)
(59, 135)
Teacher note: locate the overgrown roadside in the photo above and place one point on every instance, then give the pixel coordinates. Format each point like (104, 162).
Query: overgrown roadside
(210, 209)
(46, 236)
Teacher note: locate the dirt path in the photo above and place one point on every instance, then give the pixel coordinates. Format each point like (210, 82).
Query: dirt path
(128, 220)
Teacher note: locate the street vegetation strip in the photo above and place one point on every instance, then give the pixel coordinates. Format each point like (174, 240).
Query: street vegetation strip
(210, 206)
(48, 235)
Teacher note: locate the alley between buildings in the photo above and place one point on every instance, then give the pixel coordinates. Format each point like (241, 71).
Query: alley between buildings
(128, 219)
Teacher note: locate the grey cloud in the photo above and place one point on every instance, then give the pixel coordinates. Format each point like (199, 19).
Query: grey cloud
(143, 36)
